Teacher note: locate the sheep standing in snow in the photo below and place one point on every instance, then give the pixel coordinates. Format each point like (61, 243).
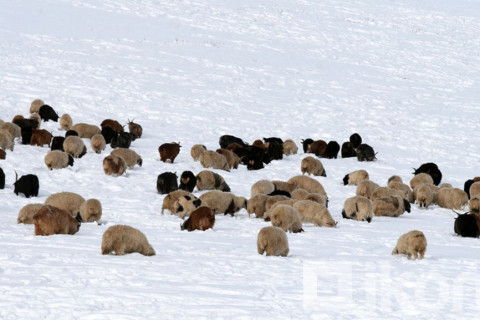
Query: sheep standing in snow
(171, 197)
(355, 177)
(209, 180)
(273, 241)
(431, 169)
(307, 183)
(90, 210)
(474, 189)
(301, 194)
(169, 151)
(467, 225)
(403, 187)
(58, 160)
(358, 208)
(256, 205)
(188, 181)
(51, 220)
(40, 137)
(6, 140)
(85, 130)
(27, 212)
(74, 146)
(185, 205)
(114, 124)
(98, 143)
(66, 122)
(348, 151)
(452, 198)
(419, 179)
(286, 218)
(14, 129)
(35, 105)
(224, 202)
(69, 201)
(314, 213)
(214, 160)
(135, 129)
(130, 156)
(232, 159)
(390, 206)
(125, 239)
(310, 165)
(289, 147)
(411, 243)
(167, 182)
(384, 192)
(424, 195)
(474, 205)
(202, 218)
(114, 165)
(366, 188)
(197, 150)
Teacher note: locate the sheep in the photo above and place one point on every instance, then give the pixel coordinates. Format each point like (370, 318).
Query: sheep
(289, 202)
(365, 153)
(74, 146)
(14, 129)
(47, 113)
(445, 185)
(273, 241)
(468, 184)
(36, 117)
(224, 202)
(6, 140)
(424, 195)
(57, 143)
(355, 177)
(90, 210)
(35, 105)
(169, 151)
(284, 186)
(259, 144)
(58, 160)
(135, 129)
(109, 134)
(197, 150)
(251, 156)
(474, 205)
(355, 140)
(452, 198)
(171, 197)
(431, 169)
(188, 181)
(131, 157)
(98, 143)
(287, 218)
(366, 188)
(66, 122)
(27, 184)
(262, 187)
(27, 123)
(71, 133)
(301, 194)
(310, 165)
(225, 140)
(114, 124)
(411, 243)
(384, 192)
(419, 179)
(212, 159)
(114, 165)
(40, 137)
(85, 130)
(167, 182)
(271, 200)
(185, 205)
(27, 212)
(307, 183)
(359, 208)
(2, 179)
(474, 189)
(256, 205)
(394, 178)
(52, 220)
(315, 213)
(209, 180)
(466, 225)
(348, 151)
(232, 159)
(306, 144)
(3, 154)
(319, 148)
(390, 206)
(332, 149)
(124, 239)
(123, 140)
(289, 147)
(202, 218)
(402, 186)
(68, 201)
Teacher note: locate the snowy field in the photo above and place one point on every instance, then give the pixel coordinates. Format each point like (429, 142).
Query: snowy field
(403, 74)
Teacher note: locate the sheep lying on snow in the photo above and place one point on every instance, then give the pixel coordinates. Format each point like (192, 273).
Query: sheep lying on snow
(135, 129)
(170, 198)
(125, 239)
(27, 212)
(475, 189)
(390, 206)
(114, 165)
(307, 183)
(403, 187)
(209, 180)
(474, 205)
(131, 157)
(90, 210)
(467, 225)
(384, 192)
(272, 240)
(98, 143)
(66, 122)
(452, 198)
(411, 243)
(424, 195)
(35, 105)
(212, 159)
(202, 218)
(301, 194)
(169, 151)
(185, 205)
(287, 218)
(74, 146)
(188, 181)
(167, 182)
(419, 179)
(355, 177)
(431, 169)
(69, 201)
(224, 202)
(58, 160)
(289, 147)
(197, 150)
(310, 165)
(27, 184)
(315, 213)
(85, 130)
(52, 220)
(358, 208)
(366, 188)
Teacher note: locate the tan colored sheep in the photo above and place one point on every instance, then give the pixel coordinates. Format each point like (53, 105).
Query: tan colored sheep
(14, 129)
(272, 240)
(209, 180)
(390, 206)
(289, 147)
(311, 165)
(232, 159)
(212, 159)
(130, 156)
(35, 105)
(58, 159)
(52, 220)
(402, 186)
(6, 140)
(358, 208)
(307, 183)
(366, 188)
(474, 205)
(36, 117)
(69, 201)
(411, 243)
(421, 178)
(452, 198)
(169, 200)
(314, 213)
(271, 200)
(74, 146)
(384, 192)
(114, 165)
(284, 186)
(124, 239)
(424, 195)
(286, 218)
(302, 194)
(394, 179)
(66, 122)
(475, 189)
(90, 210)
(98, 143)
(289, 202)
(85, 130)
(27, 212)
(262, 187)
(355, 177)
(224, 202)
(185, 205)
(256, 205)
(196, 151)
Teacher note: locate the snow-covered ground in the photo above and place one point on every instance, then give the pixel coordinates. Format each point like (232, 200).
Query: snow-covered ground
(403, 74)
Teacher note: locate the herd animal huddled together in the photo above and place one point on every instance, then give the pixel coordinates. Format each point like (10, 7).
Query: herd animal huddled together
(286, 204)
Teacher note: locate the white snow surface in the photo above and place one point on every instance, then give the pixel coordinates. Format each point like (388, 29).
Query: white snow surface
(401, 73)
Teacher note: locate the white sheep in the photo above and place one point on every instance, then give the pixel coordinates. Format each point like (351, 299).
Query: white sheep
(311, 165)
(315, 213)
(98, 143)
(273, 241)
(289, 147)
(358, 208)
(366, 188)
(287, 218)
(74, 146)
(58, 159)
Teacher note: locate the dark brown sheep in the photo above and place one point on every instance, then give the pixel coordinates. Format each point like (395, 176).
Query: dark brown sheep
(202, 218)
(40, 137)
(114, 124)
(52, 220)
(319, 148)
(169, 151)
(135, 129)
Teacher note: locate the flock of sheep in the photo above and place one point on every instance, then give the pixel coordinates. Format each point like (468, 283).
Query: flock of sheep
(287, 204)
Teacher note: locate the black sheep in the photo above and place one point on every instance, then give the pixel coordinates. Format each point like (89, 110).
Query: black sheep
(225, 140)
(306, 143)
(108, 133)
(332, 149)
(71, 133)
(466, 225)
(2, 179)
(355, 140)
(274, 150)
(365, 153)
(348, 151)
(47, 113)
(123, 140)
(57, 143)
(188, 181)
(28, 185)
(167, 182)
(431, 169)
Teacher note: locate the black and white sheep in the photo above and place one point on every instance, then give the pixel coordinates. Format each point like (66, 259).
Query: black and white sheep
(355, 177)
(209, 180)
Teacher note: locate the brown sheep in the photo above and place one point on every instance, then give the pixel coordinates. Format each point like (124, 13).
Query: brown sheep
(74, 146)
(85, 130)
(40, 137)
(114, 124)
(411, 243)
(315, 213)
(130, 156)
(232, 159)
(135, 129)
(310, 165)
(286, 218)
(125, 239)
(3, 154)
(452, 198)
(169, 151)
(114, 165)
(98, 143)
(366, 188)
(169, 200)
(17, 117)
(259, 144)
(66, 122)
(52, 220)
(69, 201)
(307, 183)
(390, 206)
(212, 159)
(319, 148)
(355, 177)
(358, 208)
(209, 180)
(90, 210)
(224, 202)
(273, 241)
(197, 150)
(202, 218)
(421, 178)
(35, 105)
(289, 147)
(27, 212)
